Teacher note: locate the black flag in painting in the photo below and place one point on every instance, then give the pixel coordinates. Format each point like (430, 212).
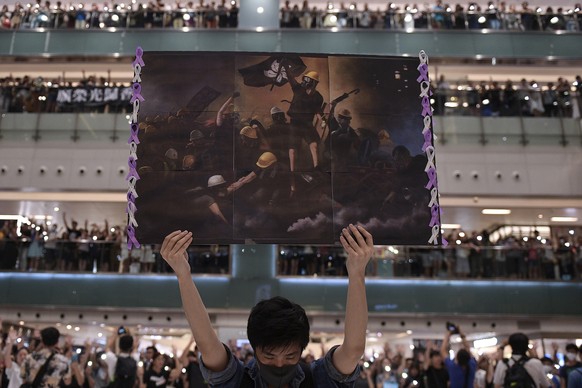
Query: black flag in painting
(270, 71)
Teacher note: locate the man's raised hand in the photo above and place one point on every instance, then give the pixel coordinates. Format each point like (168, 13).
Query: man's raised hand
(174, 251)
(359, 246)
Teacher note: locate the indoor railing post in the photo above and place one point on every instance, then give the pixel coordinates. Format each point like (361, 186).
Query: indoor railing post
(36, 136)
(563, 140)
(75, 137)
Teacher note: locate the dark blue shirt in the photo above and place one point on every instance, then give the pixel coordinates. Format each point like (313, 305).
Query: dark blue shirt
(324, 373)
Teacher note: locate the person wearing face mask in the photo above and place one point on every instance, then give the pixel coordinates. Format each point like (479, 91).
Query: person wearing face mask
(551, 372)
(278, 329)
(570, 364)
(307, 103)
(344, 139)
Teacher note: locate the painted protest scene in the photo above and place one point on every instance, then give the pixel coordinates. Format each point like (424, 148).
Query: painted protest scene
(284, 148)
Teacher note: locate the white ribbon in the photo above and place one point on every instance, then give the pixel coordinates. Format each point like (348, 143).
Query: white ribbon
(434, 194)
(423, 57)
(424, 89)
(430, 157)
(137, 73)
(135, 111)
(132, 220)
(434, 238)
(133, 150)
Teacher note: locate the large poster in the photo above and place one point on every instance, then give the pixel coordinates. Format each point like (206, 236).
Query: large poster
(281, 148)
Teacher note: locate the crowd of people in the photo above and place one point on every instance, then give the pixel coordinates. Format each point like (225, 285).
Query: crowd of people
(223, 14)
(90, 94)
(524, 98)
(471, 256)
(492, 15)
(278, 332)
(432, 365)
(119, 363)
(101, 248)
(123, 361)
(562, 98)
(153, 14)
(91, 248)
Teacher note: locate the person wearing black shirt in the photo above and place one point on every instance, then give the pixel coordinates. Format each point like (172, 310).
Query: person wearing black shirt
(436, 375)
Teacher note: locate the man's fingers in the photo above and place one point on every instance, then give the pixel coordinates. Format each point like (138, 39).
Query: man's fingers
(358, 235)
(346, 245)
(355, 248)
(174, 241)
(169, 242)
(367, 235)
(183, 241)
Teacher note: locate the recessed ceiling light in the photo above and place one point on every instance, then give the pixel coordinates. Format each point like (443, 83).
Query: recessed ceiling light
(564, 219)
(495, 211)
(450, 226)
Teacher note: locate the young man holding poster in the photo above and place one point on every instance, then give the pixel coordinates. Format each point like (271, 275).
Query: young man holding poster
(278, 329)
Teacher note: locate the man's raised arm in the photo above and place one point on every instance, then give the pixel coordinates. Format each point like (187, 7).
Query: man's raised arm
(359, 246)
(174, 252)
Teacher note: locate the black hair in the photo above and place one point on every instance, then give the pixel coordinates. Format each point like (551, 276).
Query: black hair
(547, 359)
(434, 353)
(50, 336)
(126, 343)
(519, 343)
(277, 323)
(572, 348)
(463, 357)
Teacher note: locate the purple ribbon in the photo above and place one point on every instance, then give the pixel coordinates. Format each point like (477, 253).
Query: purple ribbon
(133, 134)
(423, 69)
(427, 140)
(434, 211)
(138, 57)
(431, 178)
(131, 240)
(426, 110)
(136, 93)
(132, 163)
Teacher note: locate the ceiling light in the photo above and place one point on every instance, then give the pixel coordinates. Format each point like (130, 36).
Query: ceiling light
(495, 211)
(564, 219)
(14, 217)
(450, 226)
(485, 342)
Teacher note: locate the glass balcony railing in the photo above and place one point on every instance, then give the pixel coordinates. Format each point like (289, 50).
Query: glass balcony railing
(100, 256)
(516, 260)
(450, 129)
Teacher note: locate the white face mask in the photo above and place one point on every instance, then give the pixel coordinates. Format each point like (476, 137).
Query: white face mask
(571, 356)
(547, 369)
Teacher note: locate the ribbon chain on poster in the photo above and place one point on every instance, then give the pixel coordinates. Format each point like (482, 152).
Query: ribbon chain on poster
(132, 176)
(430, 169)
